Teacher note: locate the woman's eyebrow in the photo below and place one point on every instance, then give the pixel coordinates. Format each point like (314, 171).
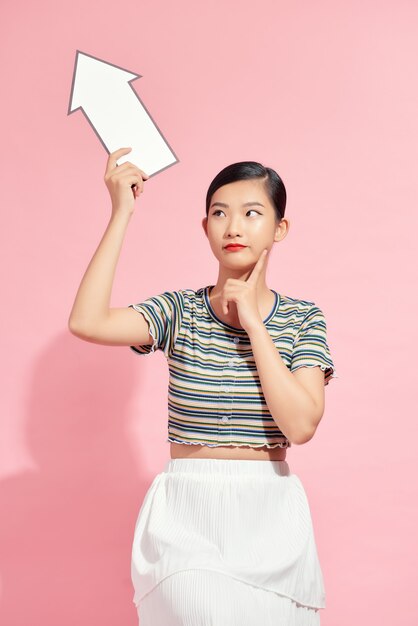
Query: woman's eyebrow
(245, 204)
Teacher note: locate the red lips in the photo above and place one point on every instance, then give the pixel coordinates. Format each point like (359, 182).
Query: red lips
(235, 245)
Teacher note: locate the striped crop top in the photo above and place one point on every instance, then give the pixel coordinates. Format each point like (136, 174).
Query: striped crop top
(214, 393)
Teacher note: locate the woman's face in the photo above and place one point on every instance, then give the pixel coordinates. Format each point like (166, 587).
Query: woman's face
(241, 212)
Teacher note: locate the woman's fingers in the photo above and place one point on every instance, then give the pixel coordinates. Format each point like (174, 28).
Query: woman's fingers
(112, 165)
(125, 182)
(113, 157)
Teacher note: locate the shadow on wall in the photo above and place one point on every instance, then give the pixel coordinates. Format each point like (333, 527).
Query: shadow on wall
(66, 529)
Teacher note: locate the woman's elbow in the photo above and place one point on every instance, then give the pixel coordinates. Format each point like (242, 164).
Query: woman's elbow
(303, 436)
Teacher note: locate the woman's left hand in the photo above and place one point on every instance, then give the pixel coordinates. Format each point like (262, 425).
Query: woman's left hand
(244, 294)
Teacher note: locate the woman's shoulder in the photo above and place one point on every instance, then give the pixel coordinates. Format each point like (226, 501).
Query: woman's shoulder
(187, 291)
(182, 291)
(191, 292)
(188, 296)
(295, 310)
(290, 303)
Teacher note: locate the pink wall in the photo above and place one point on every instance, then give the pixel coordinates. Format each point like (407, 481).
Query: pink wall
(324, 92)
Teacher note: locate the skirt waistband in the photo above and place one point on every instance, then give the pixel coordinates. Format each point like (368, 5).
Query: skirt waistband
(229, 467)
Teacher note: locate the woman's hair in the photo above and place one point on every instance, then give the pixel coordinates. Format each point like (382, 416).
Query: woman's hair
(247, 170)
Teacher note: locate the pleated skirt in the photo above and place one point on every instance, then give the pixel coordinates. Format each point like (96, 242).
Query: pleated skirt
(226, 542)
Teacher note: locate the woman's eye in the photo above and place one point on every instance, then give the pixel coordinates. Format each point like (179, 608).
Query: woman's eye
(249, 211)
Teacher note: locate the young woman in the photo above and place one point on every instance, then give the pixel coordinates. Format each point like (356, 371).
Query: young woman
(224, 535)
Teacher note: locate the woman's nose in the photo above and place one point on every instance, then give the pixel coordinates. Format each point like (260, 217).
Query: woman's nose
(233, 228)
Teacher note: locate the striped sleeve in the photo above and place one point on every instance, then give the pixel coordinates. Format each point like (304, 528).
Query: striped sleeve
(311, 346)
(164, 314)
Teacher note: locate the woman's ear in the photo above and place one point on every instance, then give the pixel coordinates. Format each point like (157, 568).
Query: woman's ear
(282, 229)
(205, 225)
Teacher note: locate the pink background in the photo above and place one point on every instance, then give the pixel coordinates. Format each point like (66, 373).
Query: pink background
(325, 93)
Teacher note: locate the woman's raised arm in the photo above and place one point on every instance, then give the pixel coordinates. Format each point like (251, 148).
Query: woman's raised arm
(91, 317)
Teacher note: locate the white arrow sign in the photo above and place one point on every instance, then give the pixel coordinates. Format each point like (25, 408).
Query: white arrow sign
(104, 93)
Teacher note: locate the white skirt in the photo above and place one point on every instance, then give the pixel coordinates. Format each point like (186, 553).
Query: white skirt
(226, 541)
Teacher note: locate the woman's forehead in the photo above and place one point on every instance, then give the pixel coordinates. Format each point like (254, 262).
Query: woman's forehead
(241, 190)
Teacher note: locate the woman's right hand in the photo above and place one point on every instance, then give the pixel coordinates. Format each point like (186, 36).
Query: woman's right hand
(125, 182)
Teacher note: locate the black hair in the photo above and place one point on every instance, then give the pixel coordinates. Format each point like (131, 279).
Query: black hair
(247, 170)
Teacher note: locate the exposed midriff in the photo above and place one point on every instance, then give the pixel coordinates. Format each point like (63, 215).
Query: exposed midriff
(180, 450)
